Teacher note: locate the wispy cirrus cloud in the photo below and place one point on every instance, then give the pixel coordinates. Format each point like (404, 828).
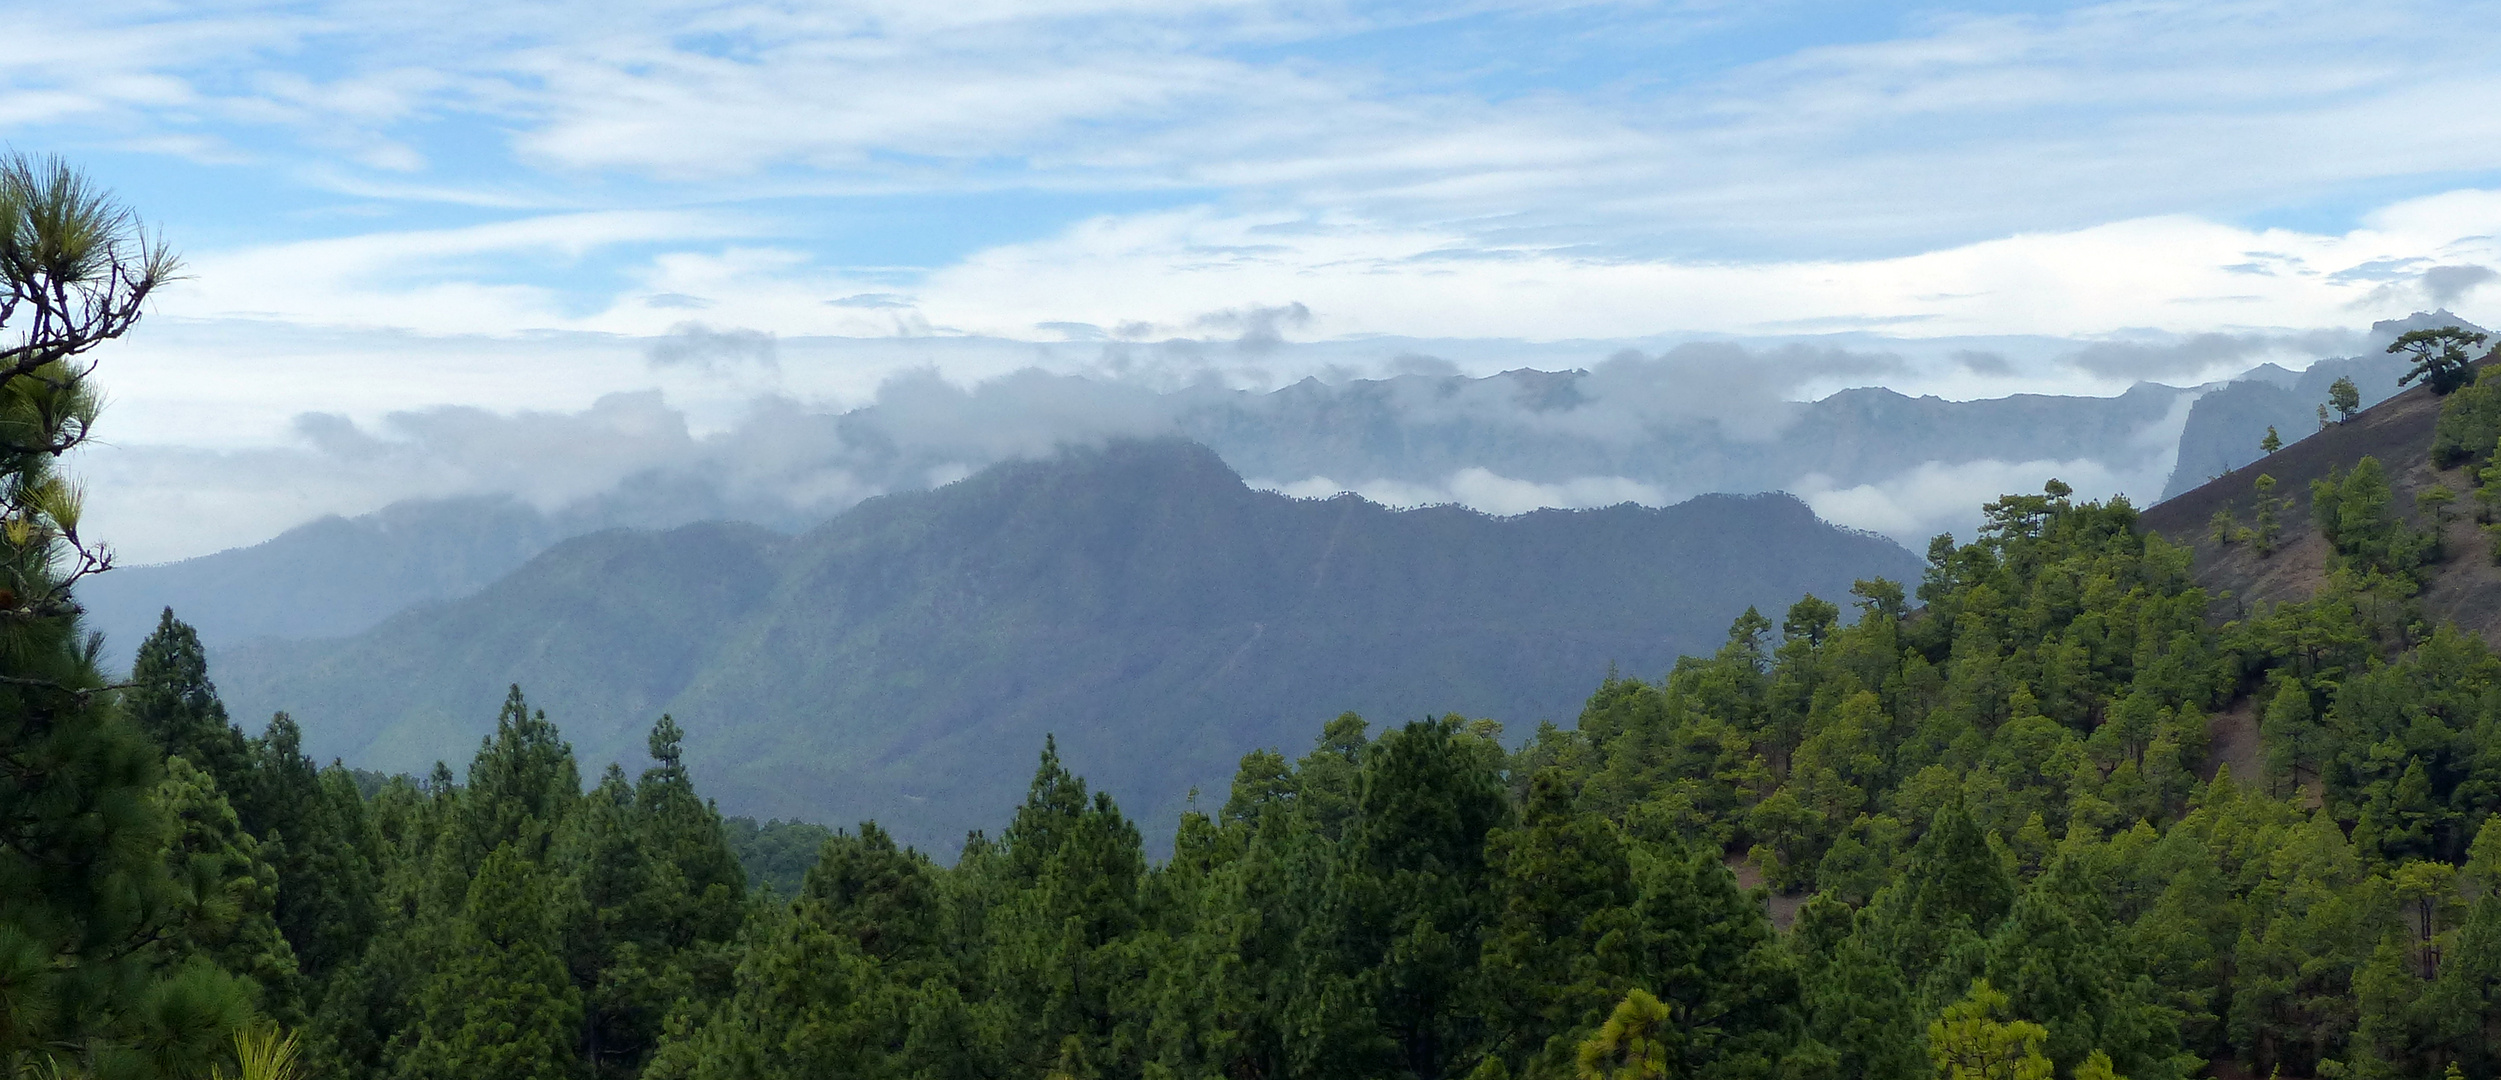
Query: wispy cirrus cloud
(1919, 130)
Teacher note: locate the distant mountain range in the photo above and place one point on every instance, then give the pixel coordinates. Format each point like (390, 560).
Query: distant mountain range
(1616, 432)
(906, 659)
(340, 576)
(841, 665)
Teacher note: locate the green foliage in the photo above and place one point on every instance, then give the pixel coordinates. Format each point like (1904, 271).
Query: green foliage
(1993, 816)
(2269, 529)
(1855, 1000)
(500, 1006)
(2345, 396)
(2018, 870)
(265, 1053)
(1632, 1045)
(776, 854)
(2051, 958)
(2434, 502)
(2355, 511)
(1564, 940)
(1408, 904)
(2441, 357)
(2469, 423)
(1974, 1039)
(114, 910)
(315, 829)
(521, 785)
(228, 892)
(654, 897)
(171, 698)
(2272, 442)
(2487, 490)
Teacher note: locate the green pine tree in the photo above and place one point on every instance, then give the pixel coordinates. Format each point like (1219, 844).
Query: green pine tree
(1561, 949)
(86, 984)
(1417, 885)
(500, 1007)
(522, 783)
(1633, 1044)
(2268, 530)
(314, 829)
(2059, 963)
(2345, 396)
(2442, 357)
(1976, 1039)
(171, 698)
(229, 893)
(1953, 891)
(1856, 1003)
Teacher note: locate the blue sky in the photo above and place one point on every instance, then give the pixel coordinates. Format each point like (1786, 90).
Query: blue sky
(900, 139)
(518, 199)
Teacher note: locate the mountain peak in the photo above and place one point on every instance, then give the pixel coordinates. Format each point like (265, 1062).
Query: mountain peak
(903, 660)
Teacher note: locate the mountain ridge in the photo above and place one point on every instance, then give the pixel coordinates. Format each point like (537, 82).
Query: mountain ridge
(339, 576)
(904, 660)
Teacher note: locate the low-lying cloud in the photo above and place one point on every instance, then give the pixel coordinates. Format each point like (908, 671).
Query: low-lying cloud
(693, 344)
(2205, 355)
(1650, 426)
(1945, 497)
(1748, 394)
(1483, 490)
(2446, 285)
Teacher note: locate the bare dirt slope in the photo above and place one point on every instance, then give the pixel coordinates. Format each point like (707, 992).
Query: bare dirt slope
(2465, 588)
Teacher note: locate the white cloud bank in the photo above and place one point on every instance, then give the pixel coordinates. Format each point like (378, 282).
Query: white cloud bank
(1482, 490)
(524, 209)
(1934, 497)
(1153, 275)
(1938, 497)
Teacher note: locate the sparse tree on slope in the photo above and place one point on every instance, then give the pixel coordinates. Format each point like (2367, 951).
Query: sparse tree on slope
(2345, 397)
(2441, 357)
(2269, 528)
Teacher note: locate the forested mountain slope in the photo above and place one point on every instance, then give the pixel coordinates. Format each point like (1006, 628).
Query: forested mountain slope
(903, 660)
(326, 577)
(1995, 818)
(1998, 820)
(2456, 581)
(336, 576)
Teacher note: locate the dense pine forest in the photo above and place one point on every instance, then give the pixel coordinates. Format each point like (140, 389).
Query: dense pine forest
(1984, 808)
